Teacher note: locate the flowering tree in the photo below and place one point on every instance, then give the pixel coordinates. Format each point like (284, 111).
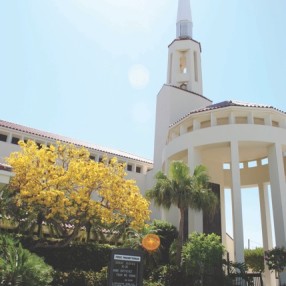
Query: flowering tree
(63, 187)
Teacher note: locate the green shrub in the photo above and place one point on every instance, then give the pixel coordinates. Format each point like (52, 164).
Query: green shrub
(276, 259)
(101, 277)
(82, 278)
(167, 233)
(152, 283)
(202, 258)
(254, 259)
(168, 275)
(20, 267)
(84, 257)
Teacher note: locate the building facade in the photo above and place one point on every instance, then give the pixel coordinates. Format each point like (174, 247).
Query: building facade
(241, 144)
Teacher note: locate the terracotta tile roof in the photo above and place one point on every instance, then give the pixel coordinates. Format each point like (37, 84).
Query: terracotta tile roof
(225, 104)
(4, 167)
(188, 91)
(55, 137)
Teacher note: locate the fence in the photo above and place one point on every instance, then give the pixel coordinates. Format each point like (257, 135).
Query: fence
(249, 279)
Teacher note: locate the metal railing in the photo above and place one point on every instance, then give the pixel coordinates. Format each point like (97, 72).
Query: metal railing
(249, 279)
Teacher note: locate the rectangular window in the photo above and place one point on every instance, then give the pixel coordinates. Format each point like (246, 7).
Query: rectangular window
(226, 166)
(196, 66)
(241, 120)
(190, 128)
(252, 164)
(15, 140)
(92, 158)
(3, 137)
(100, 159)
(259, 121)
(170, 68)
(39, 145)
(275, 123)
(183, 63)
(138, 169)
(206, 124)
(129, 167)
(222, 121)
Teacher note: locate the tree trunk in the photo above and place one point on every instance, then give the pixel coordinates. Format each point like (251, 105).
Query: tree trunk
(186, 225)
(88, 231)
(40, 220)
(180, 237)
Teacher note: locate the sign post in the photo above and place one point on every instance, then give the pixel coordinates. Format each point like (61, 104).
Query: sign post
(126, 268)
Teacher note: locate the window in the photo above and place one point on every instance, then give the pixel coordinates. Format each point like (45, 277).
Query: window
(15, 140)
(196, 66)
(205, 124)
(222, 121)
(275, 123)
(170, 68)
(39, 145)
(3, 137)
(259, 121)
(264, 161)
(226, 166)
(92, 158)
(138, 169)
(100, 159)
(129, 167)
(190, 128)
(183, 63)
(241, 120)
(252, 164)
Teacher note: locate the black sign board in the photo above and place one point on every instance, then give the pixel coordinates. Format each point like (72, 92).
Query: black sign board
(126, 268)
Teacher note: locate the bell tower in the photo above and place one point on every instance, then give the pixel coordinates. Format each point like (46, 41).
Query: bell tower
(184, 59)
(183, 91)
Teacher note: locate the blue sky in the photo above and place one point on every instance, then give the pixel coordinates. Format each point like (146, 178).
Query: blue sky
(91, 69)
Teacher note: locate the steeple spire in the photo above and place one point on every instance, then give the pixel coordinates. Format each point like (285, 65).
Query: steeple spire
(184, 20)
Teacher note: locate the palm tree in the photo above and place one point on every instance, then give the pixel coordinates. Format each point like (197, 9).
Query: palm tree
(184, 191)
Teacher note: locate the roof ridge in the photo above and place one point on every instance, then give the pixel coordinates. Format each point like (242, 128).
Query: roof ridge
(224, 104)
(65, 139)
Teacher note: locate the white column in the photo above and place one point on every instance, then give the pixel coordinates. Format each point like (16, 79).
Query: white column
(266, 229)
(236, 204)
(277, 182)
(265, 216)
(195, 217)
(278, 186)
(222, 213)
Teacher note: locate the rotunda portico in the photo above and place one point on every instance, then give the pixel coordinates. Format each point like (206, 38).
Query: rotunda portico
(242, 145)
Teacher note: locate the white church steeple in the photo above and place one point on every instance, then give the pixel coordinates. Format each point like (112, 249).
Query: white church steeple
(184, 20)
(184, 63)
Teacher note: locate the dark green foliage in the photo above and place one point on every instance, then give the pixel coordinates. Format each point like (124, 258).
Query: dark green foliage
(202, 258)
(152, 283)
(80, 278)
(254, 259)
(89, 256)
(168, 275)
(167, 233)
(20, 267)
(276, 259)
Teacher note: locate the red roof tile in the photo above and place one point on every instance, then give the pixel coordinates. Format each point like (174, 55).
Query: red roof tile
(4, 167)
(225, 104)
(55, 137)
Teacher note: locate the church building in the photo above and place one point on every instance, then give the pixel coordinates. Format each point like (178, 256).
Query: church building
(242, 144)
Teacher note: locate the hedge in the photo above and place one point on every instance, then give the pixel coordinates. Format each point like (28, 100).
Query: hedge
(85, 257)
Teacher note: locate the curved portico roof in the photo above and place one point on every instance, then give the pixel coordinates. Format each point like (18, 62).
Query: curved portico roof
(225, 104)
